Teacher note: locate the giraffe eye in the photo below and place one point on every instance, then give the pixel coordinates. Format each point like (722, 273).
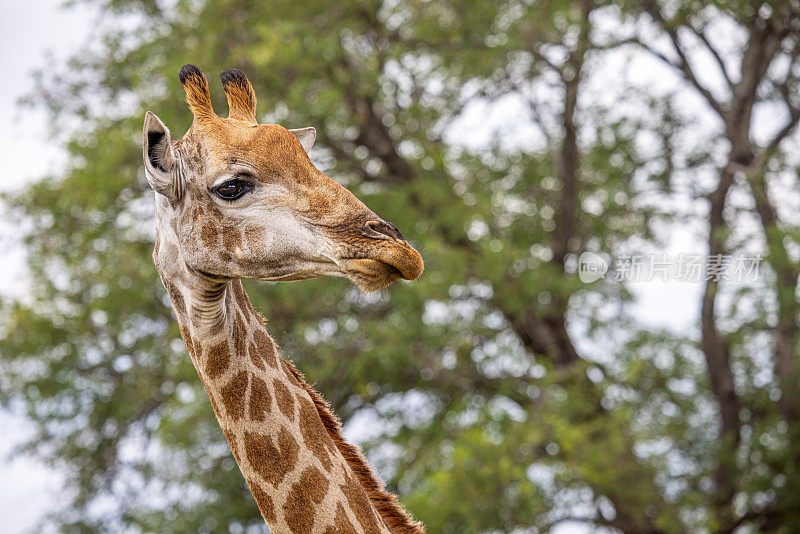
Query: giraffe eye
(233, 189)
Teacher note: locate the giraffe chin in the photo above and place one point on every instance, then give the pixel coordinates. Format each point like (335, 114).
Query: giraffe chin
(373, 275)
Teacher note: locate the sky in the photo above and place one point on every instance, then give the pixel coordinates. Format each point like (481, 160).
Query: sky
(28, 31)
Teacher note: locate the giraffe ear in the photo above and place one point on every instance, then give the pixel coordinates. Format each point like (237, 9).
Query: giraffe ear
(159, 158)
(307, 136)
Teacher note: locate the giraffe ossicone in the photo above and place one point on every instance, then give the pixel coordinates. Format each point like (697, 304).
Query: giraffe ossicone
(237, 199)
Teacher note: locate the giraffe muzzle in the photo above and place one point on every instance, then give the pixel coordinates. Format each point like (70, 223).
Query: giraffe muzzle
(385, 257)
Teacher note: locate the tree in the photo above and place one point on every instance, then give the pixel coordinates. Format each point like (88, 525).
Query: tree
(499, 392)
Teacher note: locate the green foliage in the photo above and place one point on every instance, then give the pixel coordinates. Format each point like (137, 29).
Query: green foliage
(481, 413)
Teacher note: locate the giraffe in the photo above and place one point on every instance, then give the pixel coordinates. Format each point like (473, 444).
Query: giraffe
(236, 199)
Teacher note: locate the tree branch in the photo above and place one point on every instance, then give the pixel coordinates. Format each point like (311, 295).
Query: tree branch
(682, 65)
(700, 33)
(716, 349)
(786, 273)
(794, 112)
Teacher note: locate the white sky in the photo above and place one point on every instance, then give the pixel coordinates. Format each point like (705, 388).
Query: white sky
(29, 29)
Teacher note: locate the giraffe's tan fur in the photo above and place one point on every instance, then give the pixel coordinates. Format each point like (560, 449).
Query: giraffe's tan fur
(295, 223)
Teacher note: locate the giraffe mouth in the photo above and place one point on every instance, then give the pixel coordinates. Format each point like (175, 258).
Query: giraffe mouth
(383, 267)
(370, 275)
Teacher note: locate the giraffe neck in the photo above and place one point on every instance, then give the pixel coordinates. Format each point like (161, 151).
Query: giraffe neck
(299, 478)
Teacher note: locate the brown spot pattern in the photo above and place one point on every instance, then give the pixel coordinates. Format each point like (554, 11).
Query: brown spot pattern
(187, 340)
(260, 399)
(240, 296)
(272, 463)
(303, 498)
(233, 395)
(217, 359)
(255, 357)
(234, 445)
(266, 348)
(176, 298)
(208, 235)
(215, 212)
(263, 500)
(215, 407)
(314, 435)
(284, 398)
(341, 525)
(388, 508)
(359, 505)
(231, 238)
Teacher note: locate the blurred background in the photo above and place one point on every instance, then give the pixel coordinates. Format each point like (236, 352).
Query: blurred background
(521, 146)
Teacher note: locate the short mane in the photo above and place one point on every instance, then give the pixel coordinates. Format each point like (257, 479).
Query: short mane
(390, 510)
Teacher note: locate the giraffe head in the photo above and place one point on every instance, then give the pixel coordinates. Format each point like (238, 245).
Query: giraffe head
(238, 199)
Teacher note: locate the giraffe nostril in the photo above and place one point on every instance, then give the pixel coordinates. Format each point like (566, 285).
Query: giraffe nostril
(384, 228)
